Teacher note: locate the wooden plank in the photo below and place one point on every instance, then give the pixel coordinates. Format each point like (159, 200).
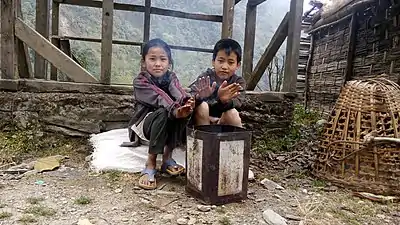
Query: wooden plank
(227, 18)
(185, 15)
(55, 24)
(255, 2)
(24, 62)
(269, 53)
(293, 46)
(42, 27)
(51, 53)
(8, 45)
(124, 42)
(106, 41)
(140, 8)
(146, 26)
(249, 40)
(351, 46)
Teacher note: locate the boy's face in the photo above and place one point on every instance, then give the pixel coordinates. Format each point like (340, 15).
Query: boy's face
(225, 65)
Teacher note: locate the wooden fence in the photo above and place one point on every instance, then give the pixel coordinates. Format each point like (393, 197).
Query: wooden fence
(55, 49)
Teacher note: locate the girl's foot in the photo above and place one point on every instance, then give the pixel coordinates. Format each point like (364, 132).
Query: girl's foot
(147, 180)
(172, 168)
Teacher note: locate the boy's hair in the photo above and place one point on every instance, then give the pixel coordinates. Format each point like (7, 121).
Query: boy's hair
(229, 45)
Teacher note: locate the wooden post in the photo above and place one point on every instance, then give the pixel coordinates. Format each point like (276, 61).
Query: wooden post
(293, 46)
(249, 39)
(42, 27)
(146, 27)
(269, 53)
(24, 62)
(55, 23)
(227, 18)
(8, 58)
(106, 41)
(351, 46)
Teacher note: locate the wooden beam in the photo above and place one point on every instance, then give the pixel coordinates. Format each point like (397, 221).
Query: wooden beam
(8, 62)
(42, 27)
(24, 62)
(140, 8)
(351, 46)
(293, 46)
(51, 53)
(249, 39)
(55, 24)
(255, 2)
(146, 26)
(227, 18)
(269, 53)
(133, 43)
(106, 41)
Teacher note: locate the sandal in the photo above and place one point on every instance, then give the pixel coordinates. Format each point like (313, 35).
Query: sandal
(177, 169)
(148, 176)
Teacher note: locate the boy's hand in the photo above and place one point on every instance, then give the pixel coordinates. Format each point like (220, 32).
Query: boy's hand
(227, 92)
(203, 88)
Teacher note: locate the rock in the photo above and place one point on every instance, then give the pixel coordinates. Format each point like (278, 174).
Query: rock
(168, 217)
(182, 221)
(125, 219)
(321, 122)
(118, 190)
(84, 222)
(251, 175)
(304, 191)
(203, 208)
(270, 185)
(192, 221)
(272, 218)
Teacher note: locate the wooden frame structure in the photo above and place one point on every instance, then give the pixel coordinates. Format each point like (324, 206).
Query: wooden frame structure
(55, 49)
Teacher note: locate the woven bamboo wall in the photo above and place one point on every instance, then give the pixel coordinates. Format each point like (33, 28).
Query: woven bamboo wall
(328, 66)
(377, 51)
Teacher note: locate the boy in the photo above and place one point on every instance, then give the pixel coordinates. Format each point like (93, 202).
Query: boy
(220, 91)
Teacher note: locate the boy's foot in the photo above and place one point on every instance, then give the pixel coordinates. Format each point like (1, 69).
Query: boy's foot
(147, 180)
(172, 168)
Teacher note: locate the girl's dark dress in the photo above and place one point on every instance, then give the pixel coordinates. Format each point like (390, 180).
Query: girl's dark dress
(154, 120)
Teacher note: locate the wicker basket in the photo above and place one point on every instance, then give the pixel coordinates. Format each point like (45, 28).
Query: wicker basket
(360, 146)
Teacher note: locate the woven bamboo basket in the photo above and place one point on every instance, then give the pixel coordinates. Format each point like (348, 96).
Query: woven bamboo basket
(360, 143)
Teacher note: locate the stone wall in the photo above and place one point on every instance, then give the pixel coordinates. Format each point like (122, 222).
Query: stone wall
(82, 109)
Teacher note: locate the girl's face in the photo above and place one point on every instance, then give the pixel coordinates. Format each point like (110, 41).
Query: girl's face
(156, 61)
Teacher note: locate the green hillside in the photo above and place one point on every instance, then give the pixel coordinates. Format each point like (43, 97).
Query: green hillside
(86, 22)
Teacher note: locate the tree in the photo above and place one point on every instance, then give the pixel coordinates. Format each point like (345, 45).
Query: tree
(275, 72)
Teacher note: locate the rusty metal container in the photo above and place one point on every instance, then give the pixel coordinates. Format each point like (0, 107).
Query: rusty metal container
(217, 163)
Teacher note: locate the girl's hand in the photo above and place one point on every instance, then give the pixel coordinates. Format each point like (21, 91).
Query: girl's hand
(191, 101)
(227, 92)
(183, 111)
(203, 88)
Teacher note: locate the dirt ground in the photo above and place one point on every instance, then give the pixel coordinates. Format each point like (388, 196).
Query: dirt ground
(73, 193)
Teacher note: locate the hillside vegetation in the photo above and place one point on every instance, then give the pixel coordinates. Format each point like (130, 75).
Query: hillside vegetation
(86, 22)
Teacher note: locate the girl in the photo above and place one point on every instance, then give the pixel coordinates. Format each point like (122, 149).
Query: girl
(162, 110)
